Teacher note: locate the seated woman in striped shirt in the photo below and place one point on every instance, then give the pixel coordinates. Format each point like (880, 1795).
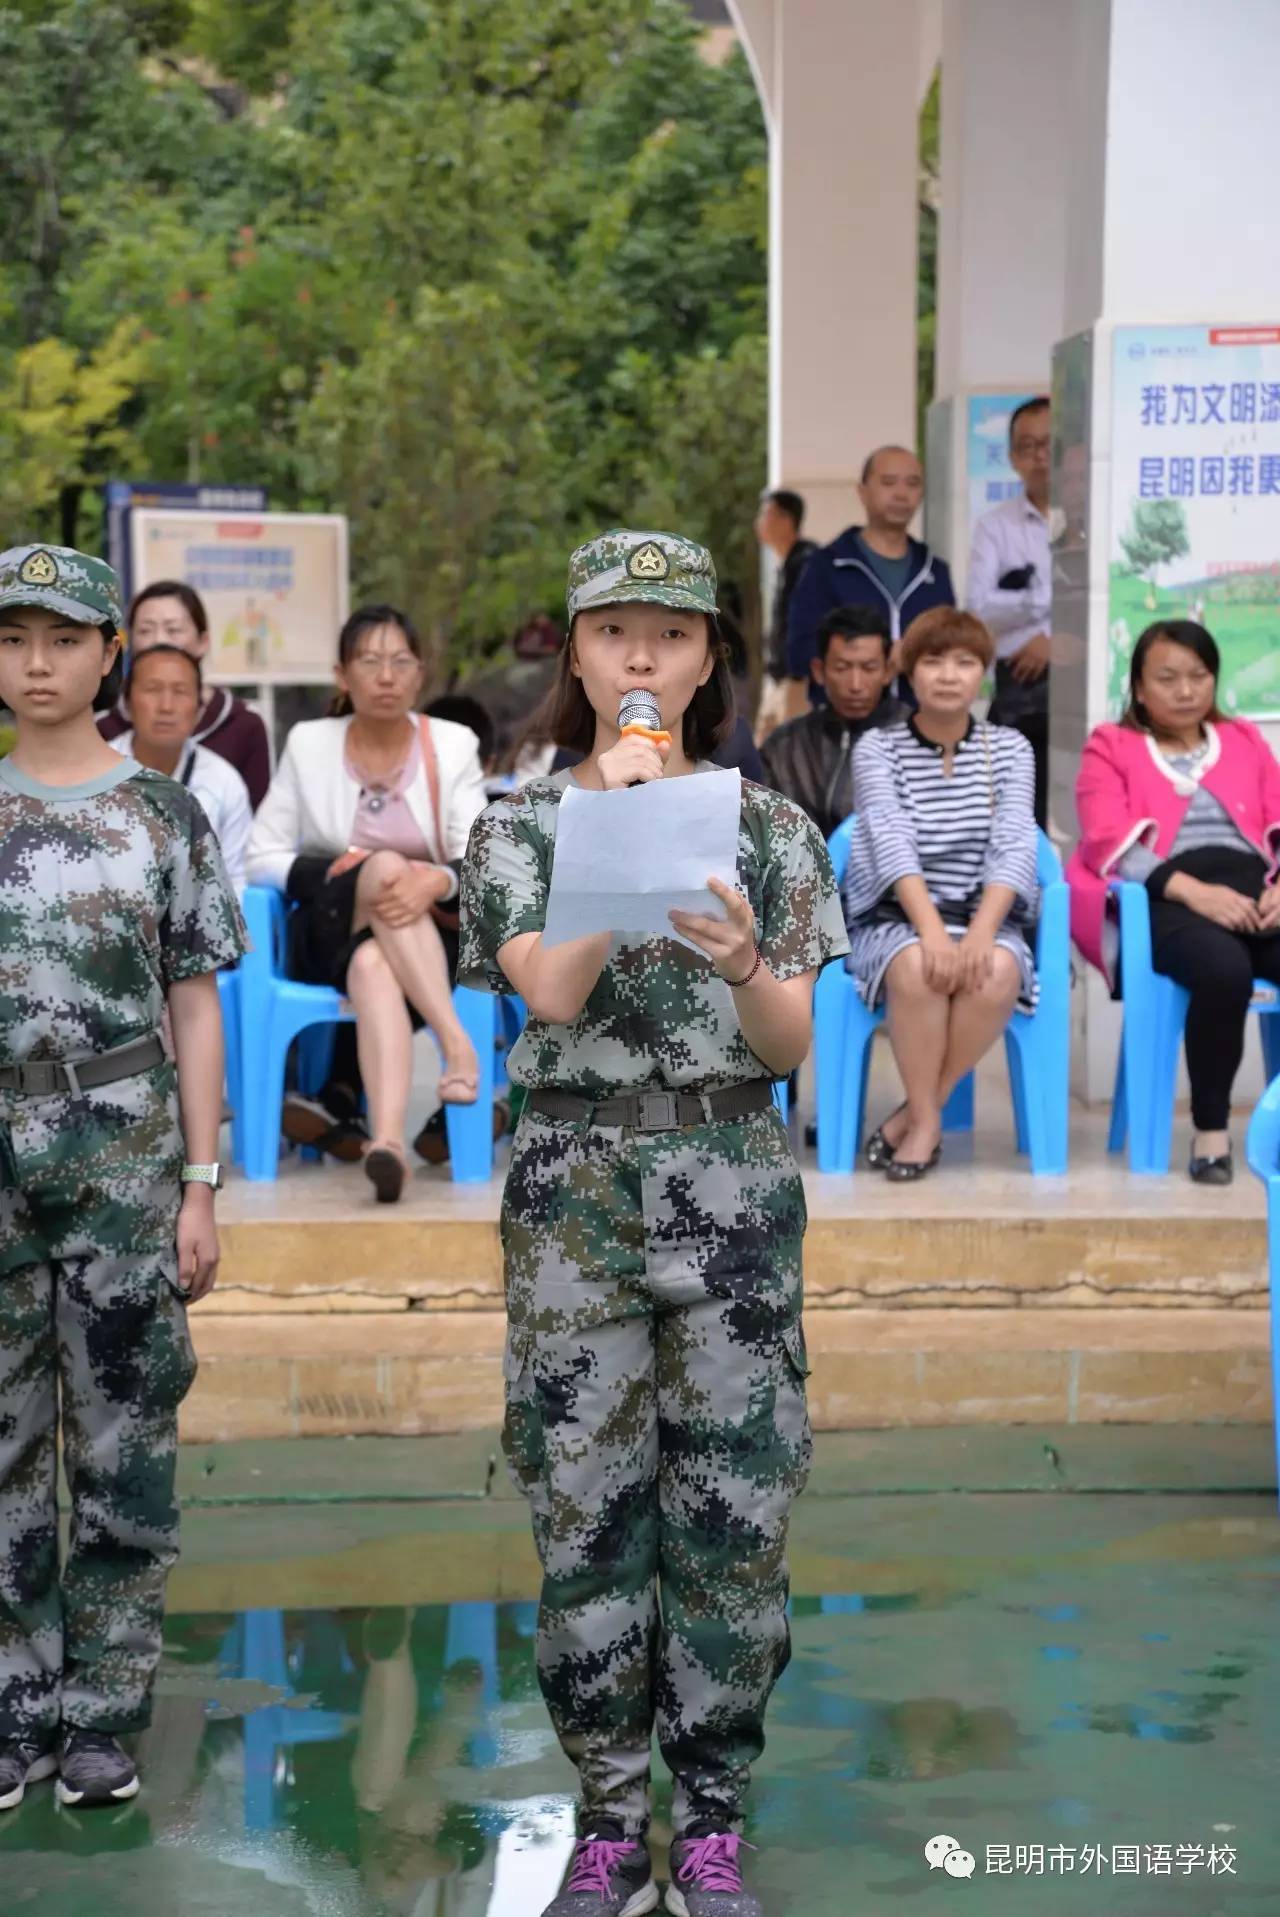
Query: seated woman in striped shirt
(940, 892)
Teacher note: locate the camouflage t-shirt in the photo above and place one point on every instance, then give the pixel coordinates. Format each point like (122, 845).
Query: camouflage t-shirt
(659, 1014)
(109, 892)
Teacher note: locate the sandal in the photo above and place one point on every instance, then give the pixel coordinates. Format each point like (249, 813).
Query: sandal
(386, 1171)
(459, 1088)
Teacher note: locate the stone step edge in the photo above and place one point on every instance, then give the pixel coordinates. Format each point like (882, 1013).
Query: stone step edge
(272, 1337)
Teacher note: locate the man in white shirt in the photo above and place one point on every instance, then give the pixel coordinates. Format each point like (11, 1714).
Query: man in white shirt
(1010, 588)
(162, 698)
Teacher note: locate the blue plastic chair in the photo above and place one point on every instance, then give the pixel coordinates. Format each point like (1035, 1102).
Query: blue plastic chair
(1155, 1013)
(233, 1046)
(1038, 1047)
(1262, 1148)
(275, 1009)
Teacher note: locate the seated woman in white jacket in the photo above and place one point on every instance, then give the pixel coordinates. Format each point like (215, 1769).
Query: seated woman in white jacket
(365, 827)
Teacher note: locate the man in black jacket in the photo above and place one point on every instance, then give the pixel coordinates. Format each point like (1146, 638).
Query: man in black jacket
(810, 759)
(778, 524)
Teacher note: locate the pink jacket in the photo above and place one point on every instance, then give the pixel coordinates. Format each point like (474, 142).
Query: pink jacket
(1128, 794)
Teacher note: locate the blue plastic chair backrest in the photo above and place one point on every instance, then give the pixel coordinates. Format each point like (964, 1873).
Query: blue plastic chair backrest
(1048, 864)
(266, 915)
(838, 846)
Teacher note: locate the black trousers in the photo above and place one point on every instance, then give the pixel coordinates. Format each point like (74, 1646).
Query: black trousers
(1218, 969)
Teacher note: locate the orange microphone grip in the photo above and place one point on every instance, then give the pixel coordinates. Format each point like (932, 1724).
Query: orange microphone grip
(645, 732)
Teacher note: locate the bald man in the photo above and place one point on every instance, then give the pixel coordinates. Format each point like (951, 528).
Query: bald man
(875, 564)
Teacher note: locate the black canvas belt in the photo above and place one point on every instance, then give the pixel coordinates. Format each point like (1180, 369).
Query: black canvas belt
(659, 1111)
(45, 1077)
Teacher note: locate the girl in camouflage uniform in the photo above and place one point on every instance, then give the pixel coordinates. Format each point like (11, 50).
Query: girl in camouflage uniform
(114, 907)
(652, 1225)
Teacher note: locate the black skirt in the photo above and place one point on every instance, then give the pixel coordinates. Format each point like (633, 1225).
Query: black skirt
(319, 941)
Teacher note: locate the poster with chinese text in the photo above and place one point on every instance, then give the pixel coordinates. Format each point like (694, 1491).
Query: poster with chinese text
(991, 478)
(1195, 500)
(274, 586)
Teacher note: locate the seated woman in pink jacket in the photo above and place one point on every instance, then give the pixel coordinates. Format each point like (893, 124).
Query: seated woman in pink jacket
(1187, 803)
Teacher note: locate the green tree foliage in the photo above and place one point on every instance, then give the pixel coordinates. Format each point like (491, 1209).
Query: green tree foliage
(62, 427)
(480, 273)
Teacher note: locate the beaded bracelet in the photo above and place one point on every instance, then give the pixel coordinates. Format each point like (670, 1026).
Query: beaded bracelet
(734, 983)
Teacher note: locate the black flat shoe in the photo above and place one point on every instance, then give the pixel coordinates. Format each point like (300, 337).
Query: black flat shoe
(878, 1150)
(903, 1171)
(1211, 1171)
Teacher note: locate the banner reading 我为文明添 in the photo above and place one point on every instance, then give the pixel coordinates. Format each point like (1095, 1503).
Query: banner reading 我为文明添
(1195, 499)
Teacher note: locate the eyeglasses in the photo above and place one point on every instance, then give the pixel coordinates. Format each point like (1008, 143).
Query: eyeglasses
(400, 663)
(1025, 447)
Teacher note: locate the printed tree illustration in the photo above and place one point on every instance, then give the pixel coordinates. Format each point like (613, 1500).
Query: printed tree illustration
(1157, 536)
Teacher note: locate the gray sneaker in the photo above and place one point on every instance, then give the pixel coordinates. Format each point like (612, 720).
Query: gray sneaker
(92, 1769)
(608, 1877)
(21, 1763)
(706, 1877)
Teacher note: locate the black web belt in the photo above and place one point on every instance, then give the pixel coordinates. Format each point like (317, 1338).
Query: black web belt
(46, 1077)
(658, 1111)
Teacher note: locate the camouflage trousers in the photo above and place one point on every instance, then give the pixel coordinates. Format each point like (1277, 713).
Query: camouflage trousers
(88, 1306)
(656, 1420)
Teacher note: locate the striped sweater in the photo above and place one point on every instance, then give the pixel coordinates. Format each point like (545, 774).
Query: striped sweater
(959, 833)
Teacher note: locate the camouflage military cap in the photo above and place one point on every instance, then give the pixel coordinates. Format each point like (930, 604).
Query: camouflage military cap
(656, 568)
(61, 580)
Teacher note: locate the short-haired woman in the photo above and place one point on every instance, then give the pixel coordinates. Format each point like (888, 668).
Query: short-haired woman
(941, 885)
(365, 826)
(1187, 803)
(171, 613)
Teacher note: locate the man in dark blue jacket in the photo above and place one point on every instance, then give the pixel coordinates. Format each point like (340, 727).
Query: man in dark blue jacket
(875, 564)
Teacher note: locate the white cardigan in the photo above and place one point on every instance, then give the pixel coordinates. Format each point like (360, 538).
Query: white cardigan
(311, 806)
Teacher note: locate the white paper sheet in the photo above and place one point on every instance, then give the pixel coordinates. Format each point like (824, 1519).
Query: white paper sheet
(624, 860)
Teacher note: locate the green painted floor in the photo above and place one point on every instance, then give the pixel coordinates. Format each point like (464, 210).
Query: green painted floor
(1057, 1648)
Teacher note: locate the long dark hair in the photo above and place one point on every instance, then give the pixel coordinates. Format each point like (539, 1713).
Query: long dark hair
(1179, 632)
(367, 619)
(570, 718)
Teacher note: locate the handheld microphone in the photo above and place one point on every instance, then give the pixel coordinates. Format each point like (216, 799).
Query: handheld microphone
(640, 714)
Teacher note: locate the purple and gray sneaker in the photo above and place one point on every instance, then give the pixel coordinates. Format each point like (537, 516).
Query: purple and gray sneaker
(609, 1877)
(706, 1876)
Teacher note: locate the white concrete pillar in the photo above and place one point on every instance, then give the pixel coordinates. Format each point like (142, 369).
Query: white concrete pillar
(1002, 224)
(1001, 239)
(840, 82)
(1170, 218)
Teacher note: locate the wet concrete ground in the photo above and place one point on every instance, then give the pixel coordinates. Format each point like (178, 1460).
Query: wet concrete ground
(1057, 1649)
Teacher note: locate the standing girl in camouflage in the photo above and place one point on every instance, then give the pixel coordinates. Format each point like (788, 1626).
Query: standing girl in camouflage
(113, 905)
(652, 1225)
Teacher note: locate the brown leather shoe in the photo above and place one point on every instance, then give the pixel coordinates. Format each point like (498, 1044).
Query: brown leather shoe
(305, 1121)
(432, 1142)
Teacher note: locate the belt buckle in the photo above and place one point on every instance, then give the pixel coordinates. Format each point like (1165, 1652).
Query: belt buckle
(658, 1112)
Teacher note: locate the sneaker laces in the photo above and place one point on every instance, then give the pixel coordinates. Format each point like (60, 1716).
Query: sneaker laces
(711, 1863)
(595, 1864)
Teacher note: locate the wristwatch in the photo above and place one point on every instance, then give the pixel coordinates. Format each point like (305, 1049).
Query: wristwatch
(203, 1175)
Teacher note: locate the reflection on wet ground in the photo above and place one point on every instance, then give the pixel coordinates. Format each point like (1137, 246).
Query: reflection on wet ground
(1067, 1687)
